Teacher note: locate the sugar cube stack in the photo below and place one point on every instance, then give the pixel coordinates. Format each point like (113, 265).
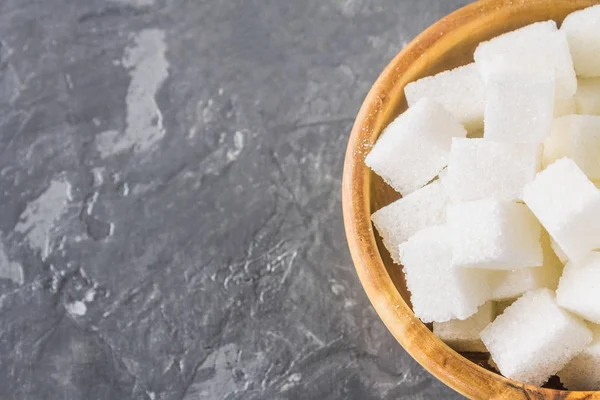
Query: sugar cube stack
(582, 30)
(498, 229)
(578, 138)
(414, 148)
(567, 204)
(579, 287)
(534, 338)
(438, 291)
(474, 164)
(587, 99)
(403, 218)
(461, 91)
(464, 335)
(511, 99)
(583, 372)
(494, 234)
(538, 48)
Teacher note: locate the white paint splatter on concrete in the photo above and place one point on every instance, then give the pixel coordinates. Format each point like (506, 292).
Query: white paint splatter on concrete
(105, 142)
(69, 191)
(38, 219)
(149, 68)
(10, 270)
(337, 288)
(69, 81)
(238, 146)
(57, 277)
(91, 203)
(291, 381)
(77, 308)
(142, 188)
(90, 295)
(349, 303)
(98, 174)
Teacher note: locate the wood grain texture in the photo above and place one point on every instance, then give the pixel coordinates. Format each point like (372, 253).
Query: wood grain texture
(447, 44)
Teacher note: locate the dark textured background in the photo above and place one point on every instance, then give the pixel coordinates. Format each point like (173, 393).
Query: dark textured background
(170, 187)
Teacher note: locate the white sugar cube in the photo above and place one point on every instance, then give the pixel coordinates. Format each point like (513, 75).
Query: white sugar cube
(567, 204)
(587, 98)
(537, 48)
(440, 292)
(464, 335)
(578, 290)
(397, 222)
(583, 30)
(414, 148)
(511, 101)
(508, 285)
(474, 165)
(564, 107)
(511, 284)
(461, 91)
(583, 372)
(578, 138)
(534, 338)
(494, 234)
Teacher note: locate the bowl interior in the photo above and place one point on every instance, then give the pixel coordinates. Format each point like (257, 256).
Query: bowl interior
(454, 52)
(447, 44)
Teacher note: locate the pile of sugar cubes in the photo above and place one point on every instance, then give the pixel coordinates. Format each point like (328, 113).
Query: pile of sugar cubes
(498, 232)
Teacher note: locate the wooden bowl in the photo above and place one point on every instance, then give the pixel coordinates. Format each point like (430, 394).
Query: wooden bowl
(447, 44)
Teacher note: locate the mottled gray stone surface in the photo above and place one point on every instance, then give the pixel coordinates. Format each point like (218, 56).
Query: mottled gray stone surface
(170, 187)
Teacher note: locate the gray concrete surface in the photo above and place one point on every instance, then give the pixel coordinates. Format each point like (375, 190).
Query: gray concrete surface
(170, 222)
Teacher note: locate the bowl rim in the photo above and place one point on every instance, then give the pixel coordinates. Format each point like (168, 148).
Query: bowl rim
(435, 356)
